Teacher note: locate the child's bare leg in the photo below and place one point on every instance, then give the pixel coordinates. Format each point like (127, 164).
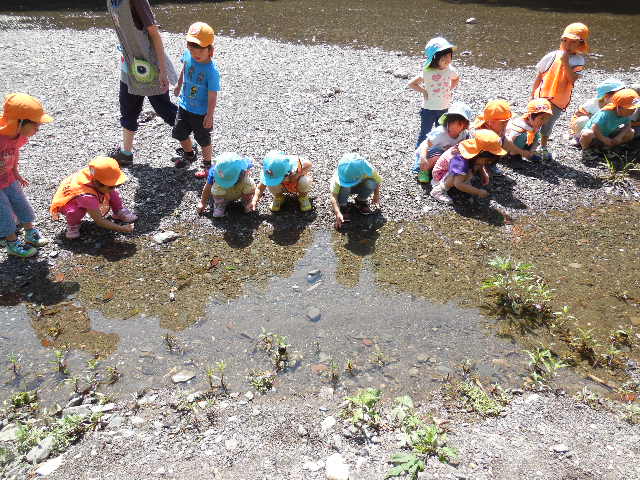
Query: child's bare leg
(431, 162)
(586, 137)
(11, 238)
(187, 145)
(127, 139)
(206, 154)
(624, 137)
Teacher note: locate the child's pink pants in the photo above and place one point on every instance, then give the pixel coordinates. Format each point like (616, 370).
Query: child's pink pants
(76, 209)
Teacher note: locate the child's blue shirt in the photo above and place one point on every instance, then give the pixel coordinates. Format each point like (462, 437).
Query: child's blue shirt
(608, 121)
(199, 79)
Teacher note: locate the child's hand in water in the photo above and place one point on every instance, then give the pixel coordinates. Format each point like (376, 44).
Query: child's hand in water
(128, 228)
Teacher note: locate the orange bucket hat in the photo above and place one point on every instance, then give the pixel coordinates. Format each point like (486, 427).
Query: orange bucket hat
(578, 31)
(483, 141)
(625, 98)
(201, 34)
(494, 110)
(20, 106)
(107, 171)
(539, 105)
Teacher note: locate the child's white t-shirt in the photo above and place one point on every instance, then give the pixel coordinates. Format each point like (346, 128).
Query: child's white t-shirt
(437, 84)
(439, 137)
(511, 132)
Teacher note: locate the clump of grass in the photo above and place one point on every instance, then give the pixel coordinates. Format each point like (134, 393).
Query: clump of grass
(219, 367)
(517, 291)
(23, 399)
(27, 437)
(60, 362)
(543, 364)
(632, 414)
(619, 169)
(350, 367)
(277, 347)
(362, 410)
(172, 343)
(378, 357)
(14, 362)
(476, 398)
(585, 345)
(261, 380)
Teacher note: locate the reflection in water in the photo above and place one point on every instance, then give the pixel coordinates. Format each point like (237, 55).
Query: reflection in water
(516, 33)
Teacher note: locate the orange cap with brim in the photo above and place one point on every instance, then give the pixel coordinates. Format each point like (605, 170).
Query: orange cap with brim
(494, 110)
(539, 105)
(201, 33)
(578, 31)
(107, 171)
(20, 106)
(625, 98)
(483, 141)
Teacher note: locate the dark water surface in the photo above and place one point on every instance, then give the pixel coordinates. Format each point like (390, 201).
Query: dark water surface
(511, 33)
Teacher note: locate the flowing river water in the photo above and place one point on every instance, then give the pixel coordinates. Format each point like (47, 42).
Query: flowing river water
(400, 305)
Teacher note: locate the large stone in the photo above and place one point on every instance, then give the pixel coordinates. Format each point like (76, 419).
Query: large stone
(165, 237)
(78, 410)
(107, 407)
(336, 469)
(183, 376)
(9, 433)
(41, 451)
(50, 466)
(313, 314)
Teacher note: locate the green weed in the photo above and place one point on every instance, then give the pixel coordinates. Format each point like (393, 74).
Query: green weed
(543, 364)
(27, 437)
(22, 399)
(405, 464)
(482, 402)
(585, 345)
(261, 380)
(362, 410)
(14, 361)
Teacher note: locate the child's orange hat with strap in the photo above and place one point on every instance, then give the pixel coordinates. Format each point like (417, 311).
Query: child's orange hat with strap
(625, 98)
(20, 106)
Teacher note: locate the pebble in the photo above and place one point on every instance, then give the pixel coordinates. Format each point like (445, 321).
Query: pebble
(8, 433)
(302, 431)
(336, 468)
(327, 424)
(414, 372)
(560, 448)
(165, 237)
(78, 410)
(53, 253)
(231, 444)
(249, 396)
(313, 314)
(183, 376)
(50, 466)
(471, 20)
(41, 451)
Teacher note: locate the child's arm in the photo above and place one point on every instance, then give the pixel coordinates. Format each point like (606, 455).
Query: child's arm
(536, 84)
(454, 82)
(336, 210)
(176, 91)
(608, 142)
(204, 199)
(459, 181)
(21, 180)
(211, 107)
(376, 195)
(417, 85)
(513, 149)
(158, 48)
(257, 195)
(104, 223)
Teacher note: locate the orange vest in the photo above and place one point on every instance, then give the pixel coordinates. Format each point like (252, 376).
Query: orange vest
(531, 134)
(74, 185)
(292, 187)
(556, 86)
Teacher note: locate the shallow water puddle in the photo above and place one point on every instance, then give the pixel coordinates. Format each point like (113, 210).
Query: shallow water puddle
(356, 307)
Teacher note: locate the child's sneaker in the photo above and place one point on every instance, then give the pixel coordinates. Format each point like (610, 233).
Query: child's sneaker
(123, 159)
(441, 195)
(276, 204)
(125, 215)
(185, 158)
(204, 171)
(305, 203)
(363, 207)
(33, 237)
(424, 176)
(545, 155)
(73, 232)
(19, 249)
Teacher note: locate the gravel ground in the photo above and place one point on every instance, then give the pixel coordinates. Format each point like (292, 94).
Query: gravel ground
(320, 101)
(538, 436)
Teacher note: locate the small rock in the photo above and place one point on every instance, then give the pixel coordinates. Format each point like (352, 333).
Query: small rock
(79, 410)
(422, 358)
(326, 393)
(313, 314)
(117, 421)
(230, 444)
(302, 431)
(74, 401)
(165, 237)
(8, 433)
(249, 396)
(534, 397)
(41, 451)
(414, 372)
(327, 424)
(50, 466)
(107, 407)
(53, 254)
(400, 74)
(471, 20)
(336, 469)
(183, 376)
(135, 420)
(560, 448)
(195, 396)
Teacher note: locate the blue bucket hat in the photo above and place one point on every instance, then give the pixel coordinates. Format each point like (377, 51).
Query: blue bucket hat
(228, 167)
(275, 166)
(457, 108)
(434, 46)
(609, 85)
(352, 168)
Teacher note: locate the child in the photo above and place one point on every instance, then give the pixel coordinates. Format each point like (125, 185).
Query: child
(611, 126)
(228, 181)
(436, 83)
(635, 118)
(457, 166)
(523, 132)
(353, 176)
(199, 97)
(282, 173)
(557, 73)
(145, 70)
(604, 92)
(495, 116)
(21, 118)
(452, 130)
(93, 190)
